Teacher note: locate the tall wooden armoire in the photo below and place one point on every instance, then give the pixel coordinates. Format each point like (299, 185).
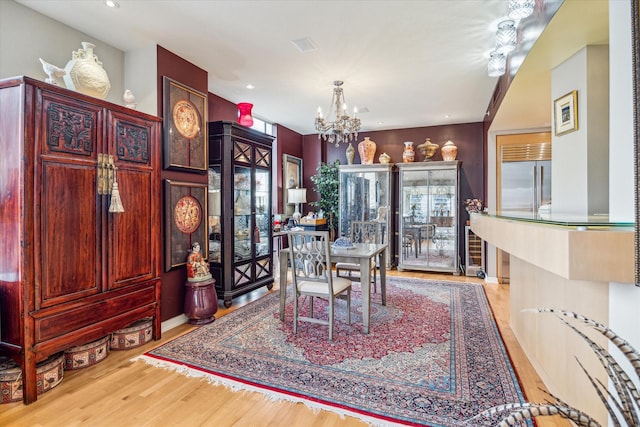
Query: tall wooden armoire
(72, 272)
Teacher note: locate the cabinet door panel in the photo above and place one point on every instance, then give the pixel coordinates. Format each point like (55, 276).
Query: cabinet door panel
(133, 239)
(70, 258)
(131, 255)
(70, 128)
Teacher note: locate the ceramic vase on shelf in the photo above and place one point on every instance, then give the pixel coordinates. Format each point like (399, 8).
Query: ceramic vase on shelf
(449, 151)
(408, 155)
(351, 154)
(384, 158)
(366, 150)
(427, 149)
(85, 73)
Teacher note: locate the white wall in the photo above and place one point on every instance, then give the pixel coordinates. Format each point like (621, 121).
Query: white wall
(580, 178)
(141, 72)
(624, 299)
(26, 35)
(620, 114)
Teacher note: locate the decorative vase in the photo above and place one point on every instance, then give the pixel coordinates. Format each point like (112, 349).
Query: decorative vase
(384, 158)
(366, 150)
(244, 114)
(449, 151)
(408, 155)
(85, 73)
(427, 149)
(351, 154)
(200, 301)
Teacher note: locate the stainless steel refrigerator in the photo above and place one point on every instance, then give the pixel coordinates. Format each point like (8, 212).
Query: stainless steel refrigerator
(525, 184)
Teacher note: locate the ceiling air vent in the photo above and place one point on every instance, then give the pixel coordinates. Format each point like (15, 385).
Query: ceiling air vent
(305, 45)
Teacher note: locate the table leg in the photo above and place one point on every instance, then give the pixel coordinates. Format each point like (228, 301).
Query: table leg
(365, 271)
(383, 277)
(284, 267)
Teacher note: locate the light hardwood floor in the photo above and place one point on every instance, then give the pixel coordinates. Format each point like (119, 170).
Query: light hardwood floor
(120, 392)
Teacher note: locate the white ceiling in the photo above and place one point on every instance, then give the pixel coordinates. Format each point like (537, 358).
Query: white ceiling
(410, 63)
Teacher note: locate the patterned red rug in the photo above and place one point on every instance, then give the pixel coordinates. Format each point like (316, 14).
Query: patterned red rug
(434, 356)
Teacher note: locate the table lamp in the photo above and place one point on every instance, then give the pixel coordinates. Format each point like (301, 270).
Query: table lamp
(297, 196)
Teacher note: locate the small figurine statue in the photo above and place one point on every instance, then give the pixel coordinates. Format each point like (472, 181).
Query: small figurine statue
(53, 72)
(129, 99)
(197, 267)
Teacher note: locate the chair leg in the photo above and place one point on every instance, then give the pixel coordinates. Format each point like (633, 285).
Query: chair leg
(310, 306)
(331, 301)
(295, 314)
(375, 281)
(349, 306)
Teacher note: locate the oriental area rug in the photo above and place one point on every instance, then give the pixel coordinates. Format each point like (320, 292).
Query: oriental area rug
(433, 357)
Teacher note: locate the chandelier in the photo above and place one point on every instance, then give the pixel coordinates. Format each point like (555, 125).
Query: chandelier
(342, 128)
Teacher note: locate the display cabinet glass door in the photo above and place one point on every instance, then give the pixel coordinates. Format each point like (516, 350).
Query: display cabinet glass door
(428, 230)
(242, 221)
(366, 195)
(214, 213)
(262, 213)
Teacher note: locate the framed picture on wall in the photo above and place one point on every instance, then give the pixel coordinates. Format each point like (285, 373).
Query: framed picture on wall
(185, 127)
(184, 221)
(565, 113)
(291, 178)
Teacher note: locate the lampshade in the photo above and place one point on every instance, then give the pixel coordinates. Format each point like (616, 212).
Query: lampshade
(297, 195)
(520, 9)
(506, 37)
(497, 64)
(244, 114)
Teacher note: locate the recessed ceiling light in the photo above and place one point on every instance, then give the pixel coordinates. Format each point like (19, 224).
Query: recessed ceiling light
(447, 116)
(250, 86)
(111, 3)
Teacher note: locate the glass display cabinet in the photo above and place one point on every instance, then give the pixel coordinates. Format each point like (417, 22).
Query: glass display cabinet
(240, 237)
(428, 216)
(366, 194)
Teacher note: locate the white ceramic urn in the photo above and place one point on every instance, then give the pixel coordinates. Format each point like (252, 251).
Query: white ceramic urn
(85, 73)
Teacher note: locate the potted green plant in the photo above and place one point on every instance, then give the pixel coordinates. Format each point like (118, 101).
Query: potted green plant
(326, 184)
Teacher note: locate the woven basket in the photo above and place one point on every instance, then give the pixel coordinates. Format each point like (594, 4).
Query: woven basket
(139, 333)
(49, 374)
(86, 355)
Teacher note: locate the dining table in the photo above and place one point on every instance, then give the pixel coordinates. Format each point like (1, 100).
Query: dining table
(359, 253)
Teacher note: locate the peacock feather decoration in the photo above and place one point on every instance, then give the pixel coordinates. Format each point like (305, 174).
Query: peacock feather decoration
(623, 406)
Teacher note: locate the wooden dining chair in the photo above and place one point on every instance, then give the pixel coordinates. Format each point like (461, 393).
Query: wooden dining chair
(312, 275)
(361, 232)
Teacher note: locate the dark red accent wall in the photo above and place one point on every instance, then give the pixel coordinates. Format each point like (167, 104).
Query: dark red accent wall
(287, 142)
(221, 109)
(190, 75)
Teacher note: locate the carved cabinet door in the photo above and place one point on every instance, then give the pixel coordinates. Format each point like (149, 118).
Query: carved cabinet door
(68, 243)
(133, 240)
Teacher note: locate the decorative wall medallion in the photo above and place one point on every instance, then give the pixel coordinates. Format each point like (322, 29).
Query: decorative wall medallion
(185, 127)
(186, 119)
(188, 214)
(184, 221)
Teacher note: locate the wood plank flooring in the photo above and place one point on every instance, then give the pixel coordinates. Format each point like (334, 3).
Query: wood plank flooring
(120, 392)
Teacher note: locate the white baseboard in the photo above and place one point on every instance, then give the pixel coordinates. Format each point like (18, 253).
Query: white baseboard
(174, 322)
(491, 280)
